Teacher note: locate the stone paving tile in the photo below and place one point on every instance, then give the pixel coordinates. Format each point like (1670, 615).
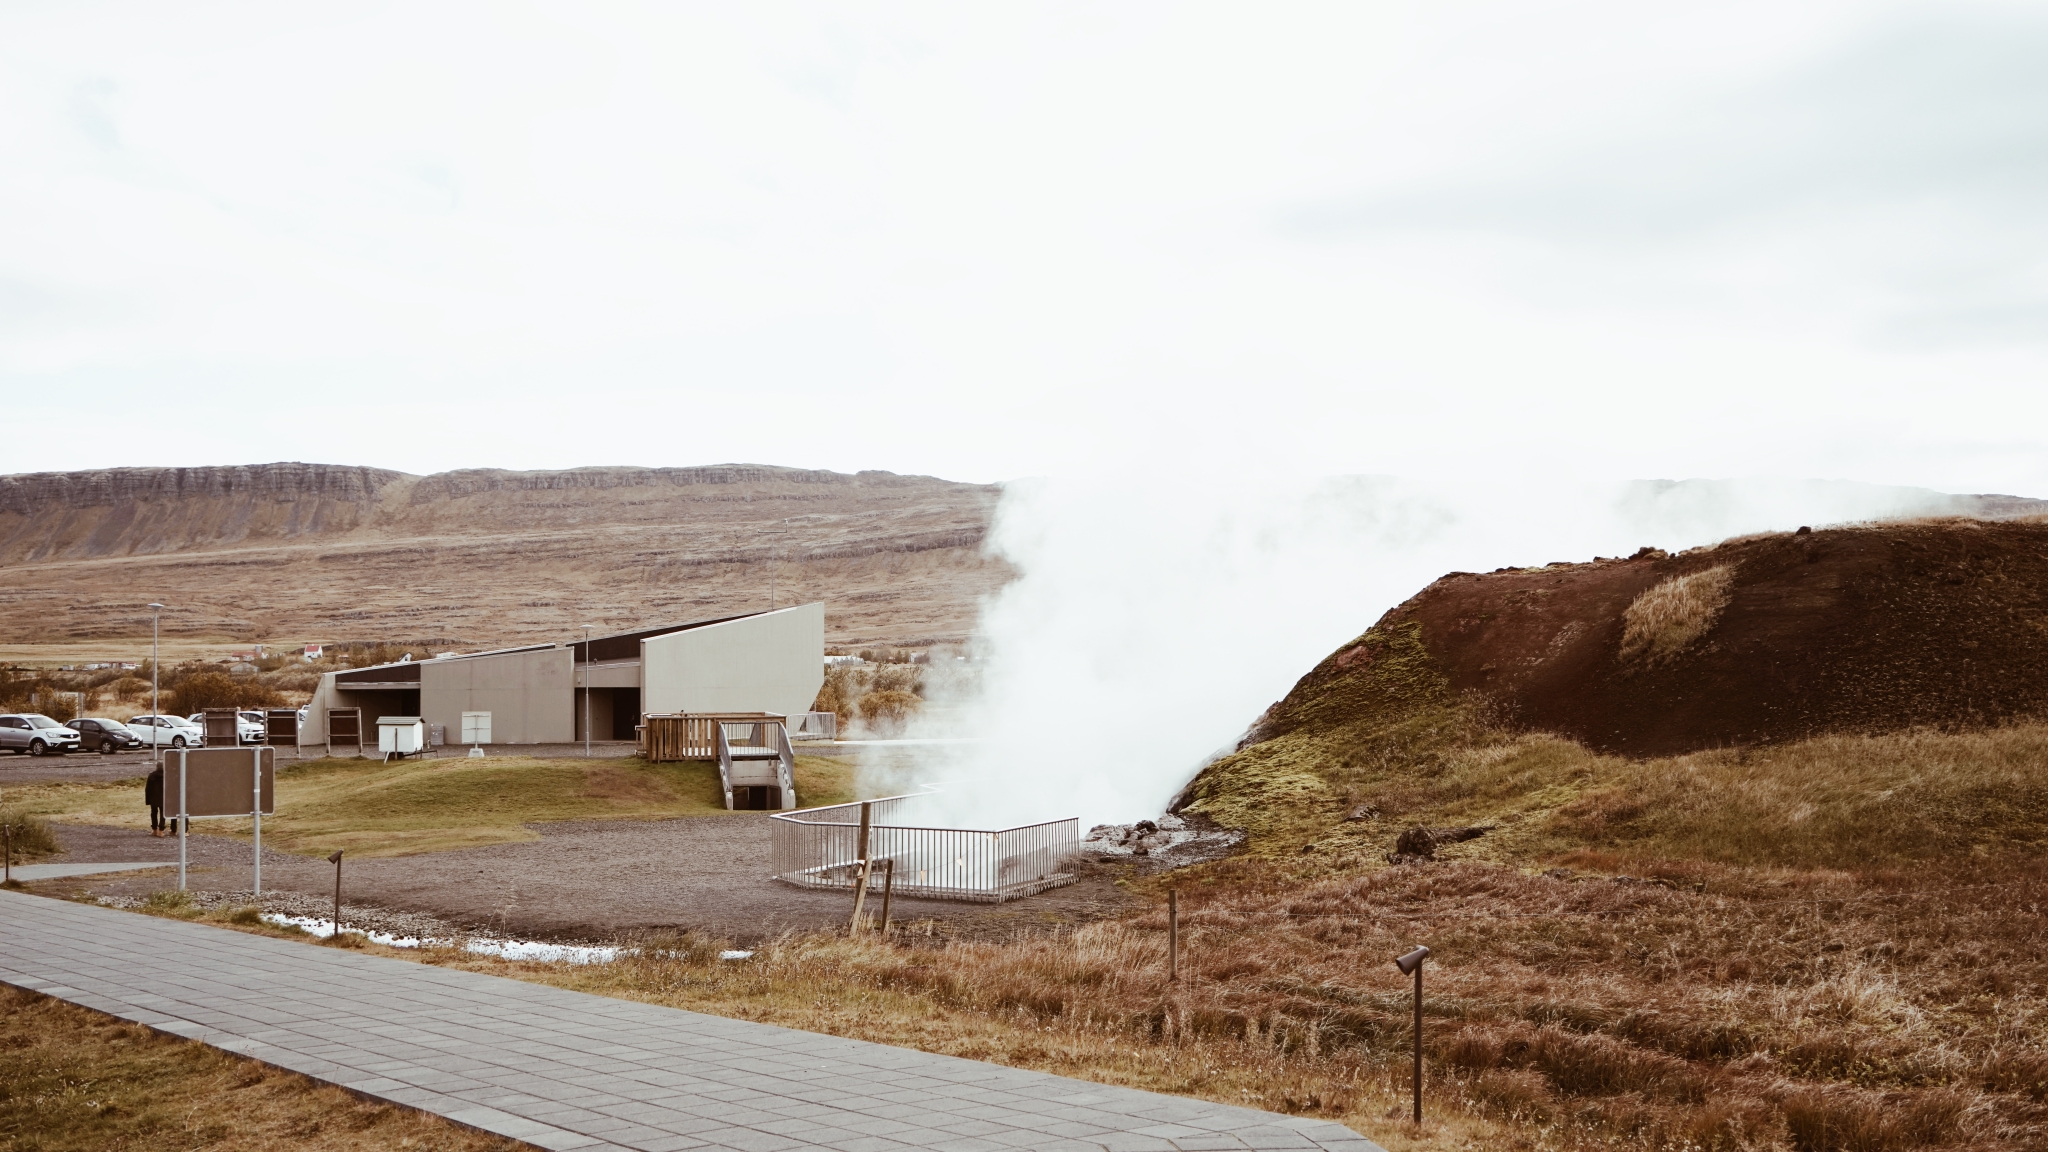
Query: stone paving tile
(569, 1071)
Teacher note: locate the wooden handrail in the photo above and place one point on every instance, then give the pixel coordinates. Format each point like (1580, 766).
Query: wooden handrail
(690, 735)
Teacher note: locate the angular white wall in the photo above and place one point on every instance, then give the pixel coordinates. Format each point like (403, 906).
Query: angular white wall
(774, 662)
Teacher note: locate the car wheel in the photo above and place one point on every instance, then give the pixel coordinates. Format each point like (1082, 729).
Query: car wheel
(177, 741)
(37, 748)
(106, 747)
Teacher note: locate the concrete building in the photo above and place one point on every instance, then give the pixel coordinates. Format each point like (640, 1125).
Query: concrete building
(759, 662)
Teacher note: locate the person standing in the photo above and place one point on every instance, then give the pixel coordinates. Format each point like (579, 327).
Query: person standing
(153, 795)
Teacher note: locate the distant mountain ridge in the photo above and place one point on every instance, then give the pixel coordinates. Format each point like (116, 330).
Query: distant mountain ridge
(485, 555)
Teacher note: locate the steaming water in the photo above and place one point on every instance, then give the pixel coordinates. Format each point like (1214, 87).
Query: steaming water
(1150, 624)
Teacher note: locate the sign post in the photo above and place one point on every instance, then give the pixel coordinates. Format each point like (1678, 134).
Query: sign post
(184, 821)
(210, 783)
(256, 813)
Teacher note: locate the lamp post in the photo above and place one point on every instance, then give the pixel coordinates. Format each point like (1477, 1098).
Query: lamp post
(586, 690)
(1412, 964)
(156, 743)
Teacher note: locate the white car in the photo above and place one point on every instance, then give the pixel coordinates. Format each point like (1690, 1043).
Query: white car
(248, 726)
(167, 732)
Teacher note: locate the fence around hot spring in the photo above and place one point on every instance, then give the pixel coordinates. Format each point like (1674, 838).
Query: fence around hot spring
(820, 848)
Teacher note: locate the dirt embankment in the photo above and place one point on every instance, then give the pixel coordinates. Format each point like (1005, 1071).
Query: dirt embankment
(330, 553)
(1758, 640)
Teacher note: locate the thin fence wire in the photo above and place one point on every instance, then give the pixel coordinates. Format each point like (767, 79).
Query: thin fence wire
(820, 848)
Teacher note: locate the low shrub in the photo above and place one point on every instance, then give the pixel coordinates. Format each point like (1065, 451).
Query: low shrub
(28, 835)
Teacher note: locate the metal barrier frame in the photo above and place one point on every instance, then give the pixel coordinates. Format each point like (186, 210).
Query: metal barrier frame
(820, 848)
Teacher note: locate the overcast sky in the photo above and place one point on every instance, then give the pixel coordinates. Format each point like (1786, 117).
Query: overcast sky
(980, 241)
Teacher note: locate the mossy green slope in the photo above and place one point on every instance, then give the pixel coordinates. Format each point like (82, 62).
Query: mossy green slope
(1375, 733)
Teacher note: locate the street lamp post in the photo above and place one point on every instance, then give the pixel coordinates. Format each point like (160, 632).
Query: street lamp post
(156, 744)
(586, 690)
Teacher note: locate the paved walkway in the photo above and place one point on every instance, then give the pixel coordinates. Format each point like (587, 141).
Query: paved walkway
(30, 872)
(563, 1069)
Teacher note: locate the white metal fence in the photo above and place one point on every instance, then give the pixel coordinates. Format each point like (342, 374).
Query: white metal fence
(814, 726)
(821, 848)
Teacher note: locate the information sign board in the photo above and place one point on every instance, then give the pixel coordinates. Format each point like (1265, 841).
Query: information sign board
(281, 727)
(219, 781)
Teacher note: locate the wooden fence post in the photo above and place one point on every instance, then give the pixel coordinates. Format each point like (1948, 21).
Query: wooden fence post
(1172, 935)
(860, 882)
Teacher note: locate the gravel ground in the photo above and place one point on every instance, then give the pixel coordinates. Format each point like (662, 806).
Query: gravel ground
(583, 881)
(82, 766)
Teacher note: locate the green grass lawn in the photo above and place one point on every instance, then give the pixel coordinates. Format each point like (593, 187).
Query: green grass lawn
(371, 808)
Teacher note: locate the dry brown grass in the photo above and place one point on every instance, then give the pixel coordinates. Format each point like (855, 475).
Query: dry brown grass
(73, 1080)
(1670, 617)
(1832, 802)
(1837, 944)
(27, 835)
(1699, 1007)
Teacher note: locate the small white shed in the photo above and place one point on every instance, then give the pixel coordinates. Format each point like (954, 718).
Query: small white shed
(401, 735)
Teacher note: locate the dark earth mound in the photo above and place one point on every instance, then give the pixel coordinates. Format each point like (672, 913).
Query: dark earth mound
(1860, 629)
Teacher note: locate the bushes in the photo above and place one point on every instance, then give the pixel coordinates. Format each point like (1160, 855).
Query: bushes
(28, 834)
(204, 690)
(888, 709)
(883, 697)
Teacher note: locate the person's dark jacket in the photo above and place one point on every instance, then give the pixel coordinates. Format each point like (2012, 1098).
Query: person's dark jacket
(153, 791)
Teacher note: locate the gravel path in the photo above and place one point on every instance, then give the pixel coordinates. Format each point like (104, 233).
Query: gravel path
(585, 881)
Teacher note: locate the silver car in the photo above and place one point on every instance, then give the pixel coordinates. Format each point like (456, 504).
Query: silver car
(36, 734)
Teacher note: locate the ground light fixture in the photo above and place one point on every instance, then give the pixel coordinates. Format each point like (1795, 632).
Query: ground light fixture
(336, 861)
(1411, 965)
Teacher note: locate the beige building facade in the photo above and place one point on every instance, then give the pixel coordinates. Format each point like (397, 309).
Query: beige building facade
(541, 694)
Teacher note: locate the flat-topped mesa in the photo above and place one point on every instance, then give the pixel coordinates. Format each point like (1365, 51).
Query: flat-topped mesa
(30, 493)
(472, 481)
(490, 556)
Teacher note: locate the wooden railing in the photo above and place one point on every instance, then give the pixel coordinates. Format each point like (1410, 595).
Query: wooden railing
(689, 735)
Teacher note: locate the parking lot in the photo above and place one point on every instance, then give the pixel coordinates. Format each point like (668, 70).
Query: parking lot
(89, 766)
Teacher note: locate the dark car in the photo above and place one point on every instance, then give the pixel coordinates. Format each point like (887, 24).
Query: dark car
(105, 736)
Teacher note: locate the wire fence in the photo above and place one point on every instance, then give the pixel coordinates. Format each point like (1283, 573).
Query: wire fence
(822, 848)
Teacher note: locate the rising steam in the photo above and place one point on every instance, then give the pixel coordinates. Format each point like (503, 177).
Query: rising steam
(1150, 624)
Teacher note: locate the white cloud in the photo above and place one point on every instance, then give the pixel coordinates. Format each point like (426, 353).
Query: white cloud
(986, 242)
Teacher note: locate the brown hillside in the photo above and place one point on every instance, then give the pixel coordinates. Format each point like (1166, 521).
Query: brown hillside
(484, 556)
(1848, 630)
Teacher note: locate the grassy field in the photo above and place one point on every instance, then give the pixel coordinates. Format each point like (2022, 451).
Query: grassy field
(74, 1080)
(133, 650)
(375, 809)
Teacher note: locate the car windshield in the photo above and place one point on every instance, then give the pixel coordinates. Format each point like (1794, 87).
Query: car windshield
(111, 725)
(40, 721)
